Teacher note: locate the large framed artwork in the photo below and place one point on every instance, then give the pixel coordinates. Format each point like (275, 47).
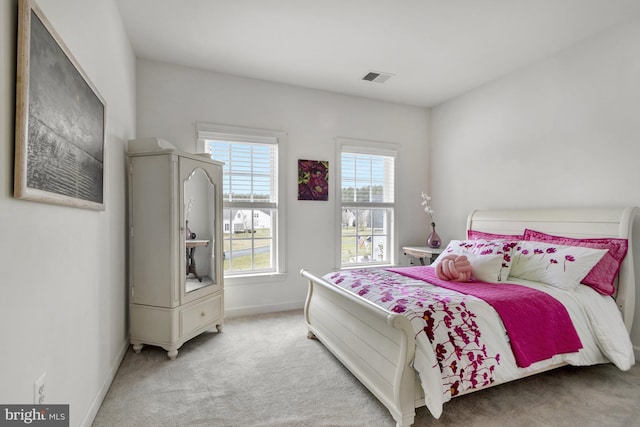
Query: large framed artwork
(60, 120)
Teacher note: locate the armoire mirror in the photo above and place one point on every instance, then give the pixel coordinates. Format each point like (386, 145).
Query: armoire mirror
(199, 226)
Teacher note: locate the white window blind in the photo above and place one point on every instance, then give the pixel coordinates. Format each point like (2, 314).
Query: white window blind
(367, 178)
(250, 173)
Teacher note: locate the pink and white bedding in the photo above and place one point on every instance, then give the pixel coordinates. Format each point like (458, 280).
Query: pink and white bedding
(464, 338)
(517, 305)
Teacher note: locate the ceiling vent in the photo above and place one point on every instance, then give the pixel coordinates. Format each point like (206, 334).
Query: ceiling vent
(377, 76)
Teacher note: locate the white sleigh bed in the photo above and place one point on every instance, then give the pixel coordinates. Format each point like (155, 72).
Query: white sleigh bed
(379, 346)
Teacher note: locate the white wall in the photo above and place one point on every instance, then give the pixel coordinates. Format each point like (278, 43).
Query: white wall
(171, 99)
(564, 132)
(62, 274)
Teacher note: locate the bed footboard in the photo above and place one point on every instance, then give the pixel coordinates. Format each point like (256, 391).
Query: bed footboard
(377, 346)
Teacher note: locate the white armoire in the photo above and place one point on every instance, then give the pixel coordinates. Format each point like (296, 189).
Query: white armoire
(175, 245)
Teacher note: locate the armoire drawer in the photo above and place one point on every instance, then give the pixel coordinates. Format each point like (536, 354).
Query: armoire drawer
(201, 314)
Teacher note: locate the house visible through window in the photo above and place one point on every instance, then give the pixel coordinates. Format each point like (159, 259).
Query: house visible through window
(251, 205)
(367, 196)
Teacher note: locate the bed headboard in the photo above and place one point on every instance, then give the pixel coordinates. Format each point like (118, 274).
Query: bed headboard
(578, 223)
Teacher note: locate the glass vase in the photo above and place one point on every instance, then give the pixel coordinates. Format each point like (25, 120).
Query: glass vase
(187, 232)
(433, 240)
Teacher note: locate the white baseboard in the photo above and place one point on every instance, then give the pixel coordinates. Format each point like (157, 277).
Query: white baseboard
(102, 393)
(262, 309)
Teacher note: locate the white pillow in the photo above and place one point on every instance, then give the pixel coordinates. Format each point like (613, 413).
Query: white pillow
(556, 265)
(490, 259)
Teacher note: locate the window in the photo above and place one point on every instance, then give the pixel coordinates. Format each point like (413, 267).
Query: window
(252, 212)
(367, 203)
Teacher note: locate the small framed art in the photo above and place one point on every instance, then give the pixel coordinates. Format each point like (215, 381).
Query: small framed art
(313, 180)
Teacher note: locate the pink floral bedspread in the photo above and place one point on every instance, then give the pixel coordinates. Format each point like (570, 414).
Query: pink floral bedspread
(527, 314)
(441, 321)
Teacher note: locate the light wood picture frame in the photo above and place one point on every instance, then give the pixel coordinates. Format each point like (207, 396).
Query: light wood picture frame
(60, 120)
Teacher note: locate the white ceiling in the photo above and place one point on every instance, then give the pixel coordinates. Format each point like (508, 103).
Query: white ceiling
(436, 49)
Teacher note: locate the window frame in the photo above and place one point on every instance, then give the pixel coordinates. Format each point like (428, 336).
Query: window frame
(366, 147)
(254, 135)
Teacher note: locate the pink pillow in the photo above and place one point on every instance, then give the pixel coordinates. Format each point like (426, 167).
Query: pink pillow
(602, 276)
(455, 268)
(475, 234)
(490, 259)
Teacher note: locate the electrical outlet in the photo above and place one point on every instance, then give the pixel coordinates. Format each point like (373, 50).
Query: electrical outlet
(39, 389)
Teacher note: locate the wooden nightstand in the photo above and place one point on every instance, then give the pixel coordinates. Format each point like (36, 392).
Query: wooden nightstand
(423, 252)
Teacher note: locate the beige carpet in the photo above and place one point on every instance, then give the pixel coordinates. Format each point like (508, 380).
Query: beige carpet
(263, 371)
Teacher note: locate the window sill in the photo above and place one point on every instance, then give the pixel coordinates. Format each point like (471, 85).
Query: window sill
(255, 279)
(367, 266)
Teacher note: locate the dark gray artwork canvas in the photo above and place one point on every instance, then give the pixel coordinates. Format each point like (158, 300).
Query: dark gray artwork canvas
(65, 123)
